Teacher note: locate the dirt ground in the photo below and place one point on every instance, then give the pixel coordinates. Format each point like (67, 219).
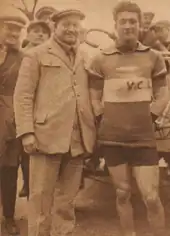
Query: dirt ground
(96, 212)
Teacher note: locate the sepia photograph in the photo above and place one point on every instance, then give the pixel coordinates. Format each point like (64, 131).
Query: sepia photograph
(84, 118)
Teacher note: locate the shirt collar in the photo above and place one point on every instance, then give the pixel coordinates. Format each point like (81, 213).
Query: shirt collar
(66, 47)
(114, 49)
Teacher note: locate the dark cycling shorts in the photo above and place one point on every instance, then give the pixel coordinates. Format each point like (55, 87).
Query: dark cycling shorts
(115, 155)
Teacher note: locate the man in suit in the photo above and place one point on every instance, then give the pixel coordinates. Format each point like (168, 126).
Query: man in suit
(10, 147)
(55, 121)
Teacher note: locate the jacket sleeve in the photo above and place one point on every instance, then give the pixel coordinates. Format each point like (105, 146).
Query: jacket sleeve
(25, 93)
(96, 83)
(160, 88)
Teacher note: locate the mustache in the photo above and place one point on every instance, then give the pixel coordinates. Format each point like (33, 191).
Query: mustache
(71, 33)
(12, 36)
(128, 31)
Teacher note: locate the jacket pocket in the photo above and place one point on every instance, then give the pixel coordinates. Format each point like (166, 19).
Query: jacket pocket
(50, 62)
(40, 118)
(50, 67)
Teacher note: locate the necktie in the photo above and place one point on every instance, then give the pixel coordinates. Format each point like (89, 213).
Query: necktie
(71, 55)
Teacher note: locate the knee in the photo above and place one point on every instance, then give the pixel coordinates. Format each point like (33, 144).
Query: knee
(152, 201)
(123, 194)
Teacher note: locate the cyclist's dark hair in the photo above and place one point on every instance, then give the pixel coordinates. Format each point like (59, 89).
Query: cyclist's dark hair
(127, 6)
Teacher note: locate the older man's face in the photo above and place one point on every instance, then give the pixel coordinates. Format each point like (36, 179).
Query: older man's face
(13, 33)
(68, 29)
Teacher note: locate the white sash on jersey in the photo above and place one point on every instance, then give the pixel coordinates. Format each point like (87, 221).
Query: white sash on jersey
(133, 89)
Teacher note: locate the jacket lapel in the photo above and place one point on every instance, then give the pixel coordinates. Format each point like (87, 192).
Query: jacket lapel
(57, 51)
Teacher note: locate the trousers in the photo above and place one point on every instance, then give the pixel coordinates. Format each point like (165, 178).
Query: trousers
(54, 184)
(8, 177)
(24, 162)
(8, 182)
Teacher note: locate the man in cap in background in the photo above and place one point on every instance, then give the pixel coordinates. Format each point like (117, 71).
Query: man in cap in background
(45, 13)
(160, 36)
(55, 121)
(147, 18)
(160, 31)
(13, 27)
(37, 33)
(10, 147)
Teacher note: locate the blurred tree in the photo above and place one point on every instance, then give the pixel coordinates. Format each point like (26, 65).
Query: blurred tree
(22, 6)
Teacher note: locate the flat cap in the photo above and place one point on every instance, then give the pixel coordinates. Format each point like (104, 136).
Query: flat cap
(15, 20)
(69, 12)
(43, 24)
(43, 11)
(149, 13)
(161, 24)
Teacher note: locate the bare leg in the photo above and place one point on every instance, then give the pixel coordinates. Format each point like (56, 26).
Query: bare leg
(121, 179)
(147, 178)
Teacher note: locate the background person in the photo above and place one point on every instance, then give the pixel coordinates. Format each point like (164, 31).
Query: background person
(45, 13)
(10, 147)
(38, 32)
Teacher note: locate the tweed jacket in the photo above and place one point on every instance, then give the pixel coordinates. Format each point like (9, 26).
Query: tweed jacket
(48, 92)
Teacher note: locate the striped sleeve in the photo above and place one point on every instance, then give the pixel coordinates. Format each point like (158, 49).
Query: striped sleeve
(96, 83)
